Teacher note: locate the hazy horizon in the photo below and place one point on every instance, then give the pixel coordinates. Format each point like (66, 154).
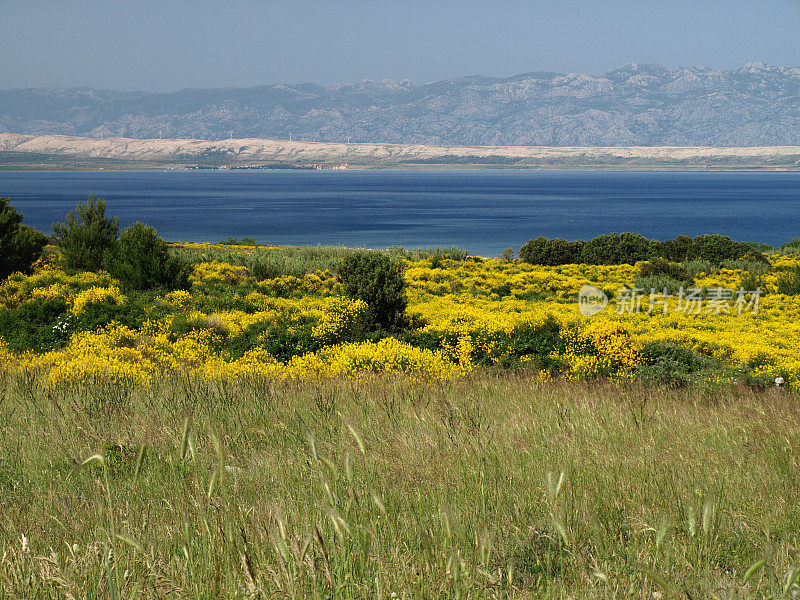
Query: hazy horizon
(417, 83)
(169, 46)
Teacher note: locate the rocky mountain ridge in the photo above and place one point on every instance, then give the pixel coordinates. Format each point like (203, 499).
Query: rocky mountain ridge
(634, 105)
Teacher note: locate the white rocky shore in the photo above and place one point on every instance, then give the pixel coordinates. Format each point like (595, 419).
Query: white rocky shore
(237, 150)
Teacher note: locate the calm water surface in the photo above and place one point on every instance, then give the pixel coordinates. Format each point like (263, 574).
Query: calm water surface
(483, 211)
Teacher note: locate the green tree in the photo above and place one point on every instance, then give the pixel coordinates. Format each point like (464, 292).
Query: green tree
(715, 249)
(377, 280)
(20, 245)
(141, 260)
(86, 235)
(544, 251)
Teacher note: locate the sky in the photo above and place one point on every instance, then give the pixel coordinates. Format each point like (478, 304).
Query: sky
(167, 45)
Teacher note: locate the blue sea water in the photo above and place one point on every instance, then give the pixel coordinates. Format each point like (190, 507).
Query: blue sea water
(483, 211)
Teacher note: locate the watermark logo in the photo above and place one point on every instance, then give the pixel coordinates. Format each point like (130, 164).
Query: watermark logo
(591, 300)
(692, 301)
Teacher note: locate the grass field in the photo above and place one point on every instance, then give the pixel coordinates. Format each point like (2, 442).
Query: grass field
(490, 486)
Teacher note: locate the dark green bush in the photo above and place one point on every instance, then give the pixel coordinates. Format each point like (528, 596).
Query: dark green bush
(233, 241)
(502, 290)
(377, 280)
(629, 248)
(602, 250)
(544, 251)
(20, 245)
(38, 325)
(674, 250)
(428, 340)
(141, 261)
(86, 235)
(100, 314)
(789, 282)
(671, 364)
(751, 281)
(715, 249)
(660, 267)
(657, 284)
(539, 342)
(633, 247)
(283, 338)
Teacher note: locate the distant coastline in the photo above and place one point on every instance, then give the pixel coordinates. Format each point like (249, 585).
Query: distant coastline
(60, 152)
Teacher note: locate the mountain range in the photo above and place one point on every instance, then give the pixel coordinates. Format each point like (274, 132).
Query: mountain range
(634, 105)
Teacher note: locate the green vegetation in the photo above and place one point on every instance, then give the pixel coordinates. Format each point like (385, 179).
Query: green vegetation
(20, 246)
(377, 280)
(491, 487)
(630, 248)
(141, 261)
(789, 282)
(86, 235)
(270, 262)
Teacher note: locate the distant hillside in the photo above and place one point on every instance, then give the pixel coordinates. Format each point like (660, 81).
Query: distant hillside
(635, 105)
(71, 152)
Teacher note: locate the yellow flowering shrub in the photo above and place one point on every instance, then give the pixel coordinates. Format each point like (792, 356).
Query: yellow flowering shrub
(6, 358)
(49, 281)
(387, 356)
(341, 319)
(96, 295)
(468, 314)
(179, 299)
(215, 272)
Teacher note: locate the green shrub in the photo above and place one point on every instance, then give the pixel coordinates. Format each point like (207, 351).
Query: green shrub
(615, 249)
(38, 325)
(507, 255)
(86, 235)
(601, 250)
(751, 281)
(660, 267)
(715, 249)
(670, 364)
(633, 247)
(658, 283)
(181, 324)
(100, 314)
(20, 245)
(537, 342)
(789, 282)
(792, 247)
(630, 248)
(428, 340)
(543, 251)
(377, 280)
(233, 241)
(438, 253)
(284, 338)
(674, 250)
(141, 261)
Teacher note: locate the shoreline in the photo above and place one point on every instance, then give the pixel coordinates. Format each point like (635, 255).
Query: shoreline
(60, 152)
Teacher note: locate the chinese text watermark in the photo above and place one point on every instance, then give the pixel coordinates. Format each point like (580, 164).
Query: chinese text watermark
(691, 301)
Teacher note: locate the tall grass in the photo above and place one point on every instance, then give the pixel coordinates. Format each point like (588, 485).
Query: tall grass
(270, 262)
(488, 487)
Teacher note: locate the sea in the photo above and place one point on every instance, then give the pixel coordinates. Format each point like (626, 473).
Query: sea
(483, 211)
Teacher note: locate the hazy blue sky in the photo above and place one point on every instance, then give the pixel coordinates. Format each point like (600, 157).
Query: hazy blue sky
(163, 45)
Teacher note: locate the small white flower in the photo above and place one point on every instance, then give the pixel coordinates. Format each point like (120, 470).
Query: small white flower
(26, 547)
